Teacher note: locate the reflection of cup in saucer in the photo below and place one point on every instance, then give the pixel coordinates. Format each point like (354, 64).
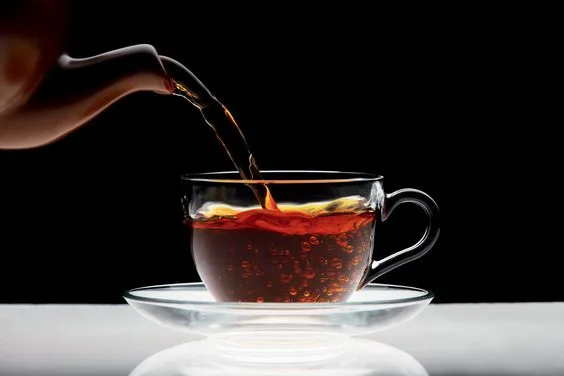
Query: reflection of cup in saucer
(316, 248)
(359, 357)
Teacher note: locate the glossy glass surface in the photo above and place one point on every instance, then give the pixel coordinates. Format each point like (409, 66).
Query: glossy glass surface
(235, 242)
(190, 307)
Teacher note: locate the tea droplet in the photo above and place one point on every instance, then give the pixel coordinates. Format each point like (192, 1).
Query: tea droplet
(336, 263)
(260, 299)
(229, 268)
(269, 284)
(313, 240)
(309, 272)
(307, 293)
(292, 291)
(305, 283)
(306, 247)
(274, 252)
(250, 246)
(323, 260)
(245, 264)
(349, 249)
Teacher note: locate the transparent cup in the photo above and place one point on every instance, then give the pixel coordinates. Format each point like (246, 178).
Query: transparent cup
(318, 246)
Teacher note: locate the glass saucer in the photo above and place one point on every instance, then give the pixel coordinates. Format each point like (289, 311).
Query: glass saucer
(313, 329)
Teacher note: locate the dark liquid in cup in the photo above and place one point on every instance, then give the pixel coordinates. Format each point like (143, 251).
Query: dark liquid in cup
(317, 252)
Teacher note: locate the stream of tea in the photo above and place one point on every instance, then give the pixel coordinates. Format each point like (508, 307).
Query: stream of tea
(186, 85)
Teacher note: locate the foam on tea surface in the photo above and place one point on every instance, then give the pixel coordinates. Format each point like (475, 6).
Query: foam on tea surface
(315, 252)
(352, 204)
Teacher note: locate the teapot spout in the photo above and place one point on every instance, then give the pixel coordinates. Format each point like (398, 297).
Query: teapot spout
(77, 90)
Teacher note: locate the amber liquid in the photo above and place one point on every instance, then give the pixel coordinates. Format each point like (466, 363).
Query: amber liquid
(186, 85)
(305, 253)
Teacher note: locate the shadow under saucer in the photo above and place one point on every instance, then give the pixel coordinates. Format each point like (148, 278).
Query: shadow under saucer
(353, 357)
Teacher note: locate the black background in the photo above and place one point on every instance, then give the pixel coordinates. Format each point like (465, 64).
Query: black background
(393, 93)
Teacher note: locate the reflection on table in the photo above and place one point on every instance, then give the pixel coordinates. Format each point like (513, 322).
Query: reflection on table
(355, 358)
(450, 339)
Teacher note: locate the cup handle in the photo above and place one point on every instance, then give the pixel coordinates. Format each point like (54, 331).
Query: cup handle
(392, 200)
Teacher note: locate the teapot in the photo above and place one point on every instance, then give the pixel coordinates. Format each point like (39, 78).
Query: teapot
(46, 94)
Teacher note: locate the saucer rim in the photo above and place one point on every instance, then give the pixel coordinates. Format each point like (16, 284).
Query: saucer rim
(129, 295)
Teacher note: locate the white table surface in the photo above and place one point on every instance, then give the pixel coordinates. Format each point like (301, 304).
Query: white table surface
(447, 339)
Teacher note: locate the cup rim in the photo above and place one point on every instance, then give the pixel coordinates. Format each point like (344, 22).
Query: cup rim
(233, 177)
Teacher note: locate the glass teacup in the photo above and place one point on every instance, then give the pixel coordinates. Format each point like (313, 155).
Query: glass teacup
(319, 245)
